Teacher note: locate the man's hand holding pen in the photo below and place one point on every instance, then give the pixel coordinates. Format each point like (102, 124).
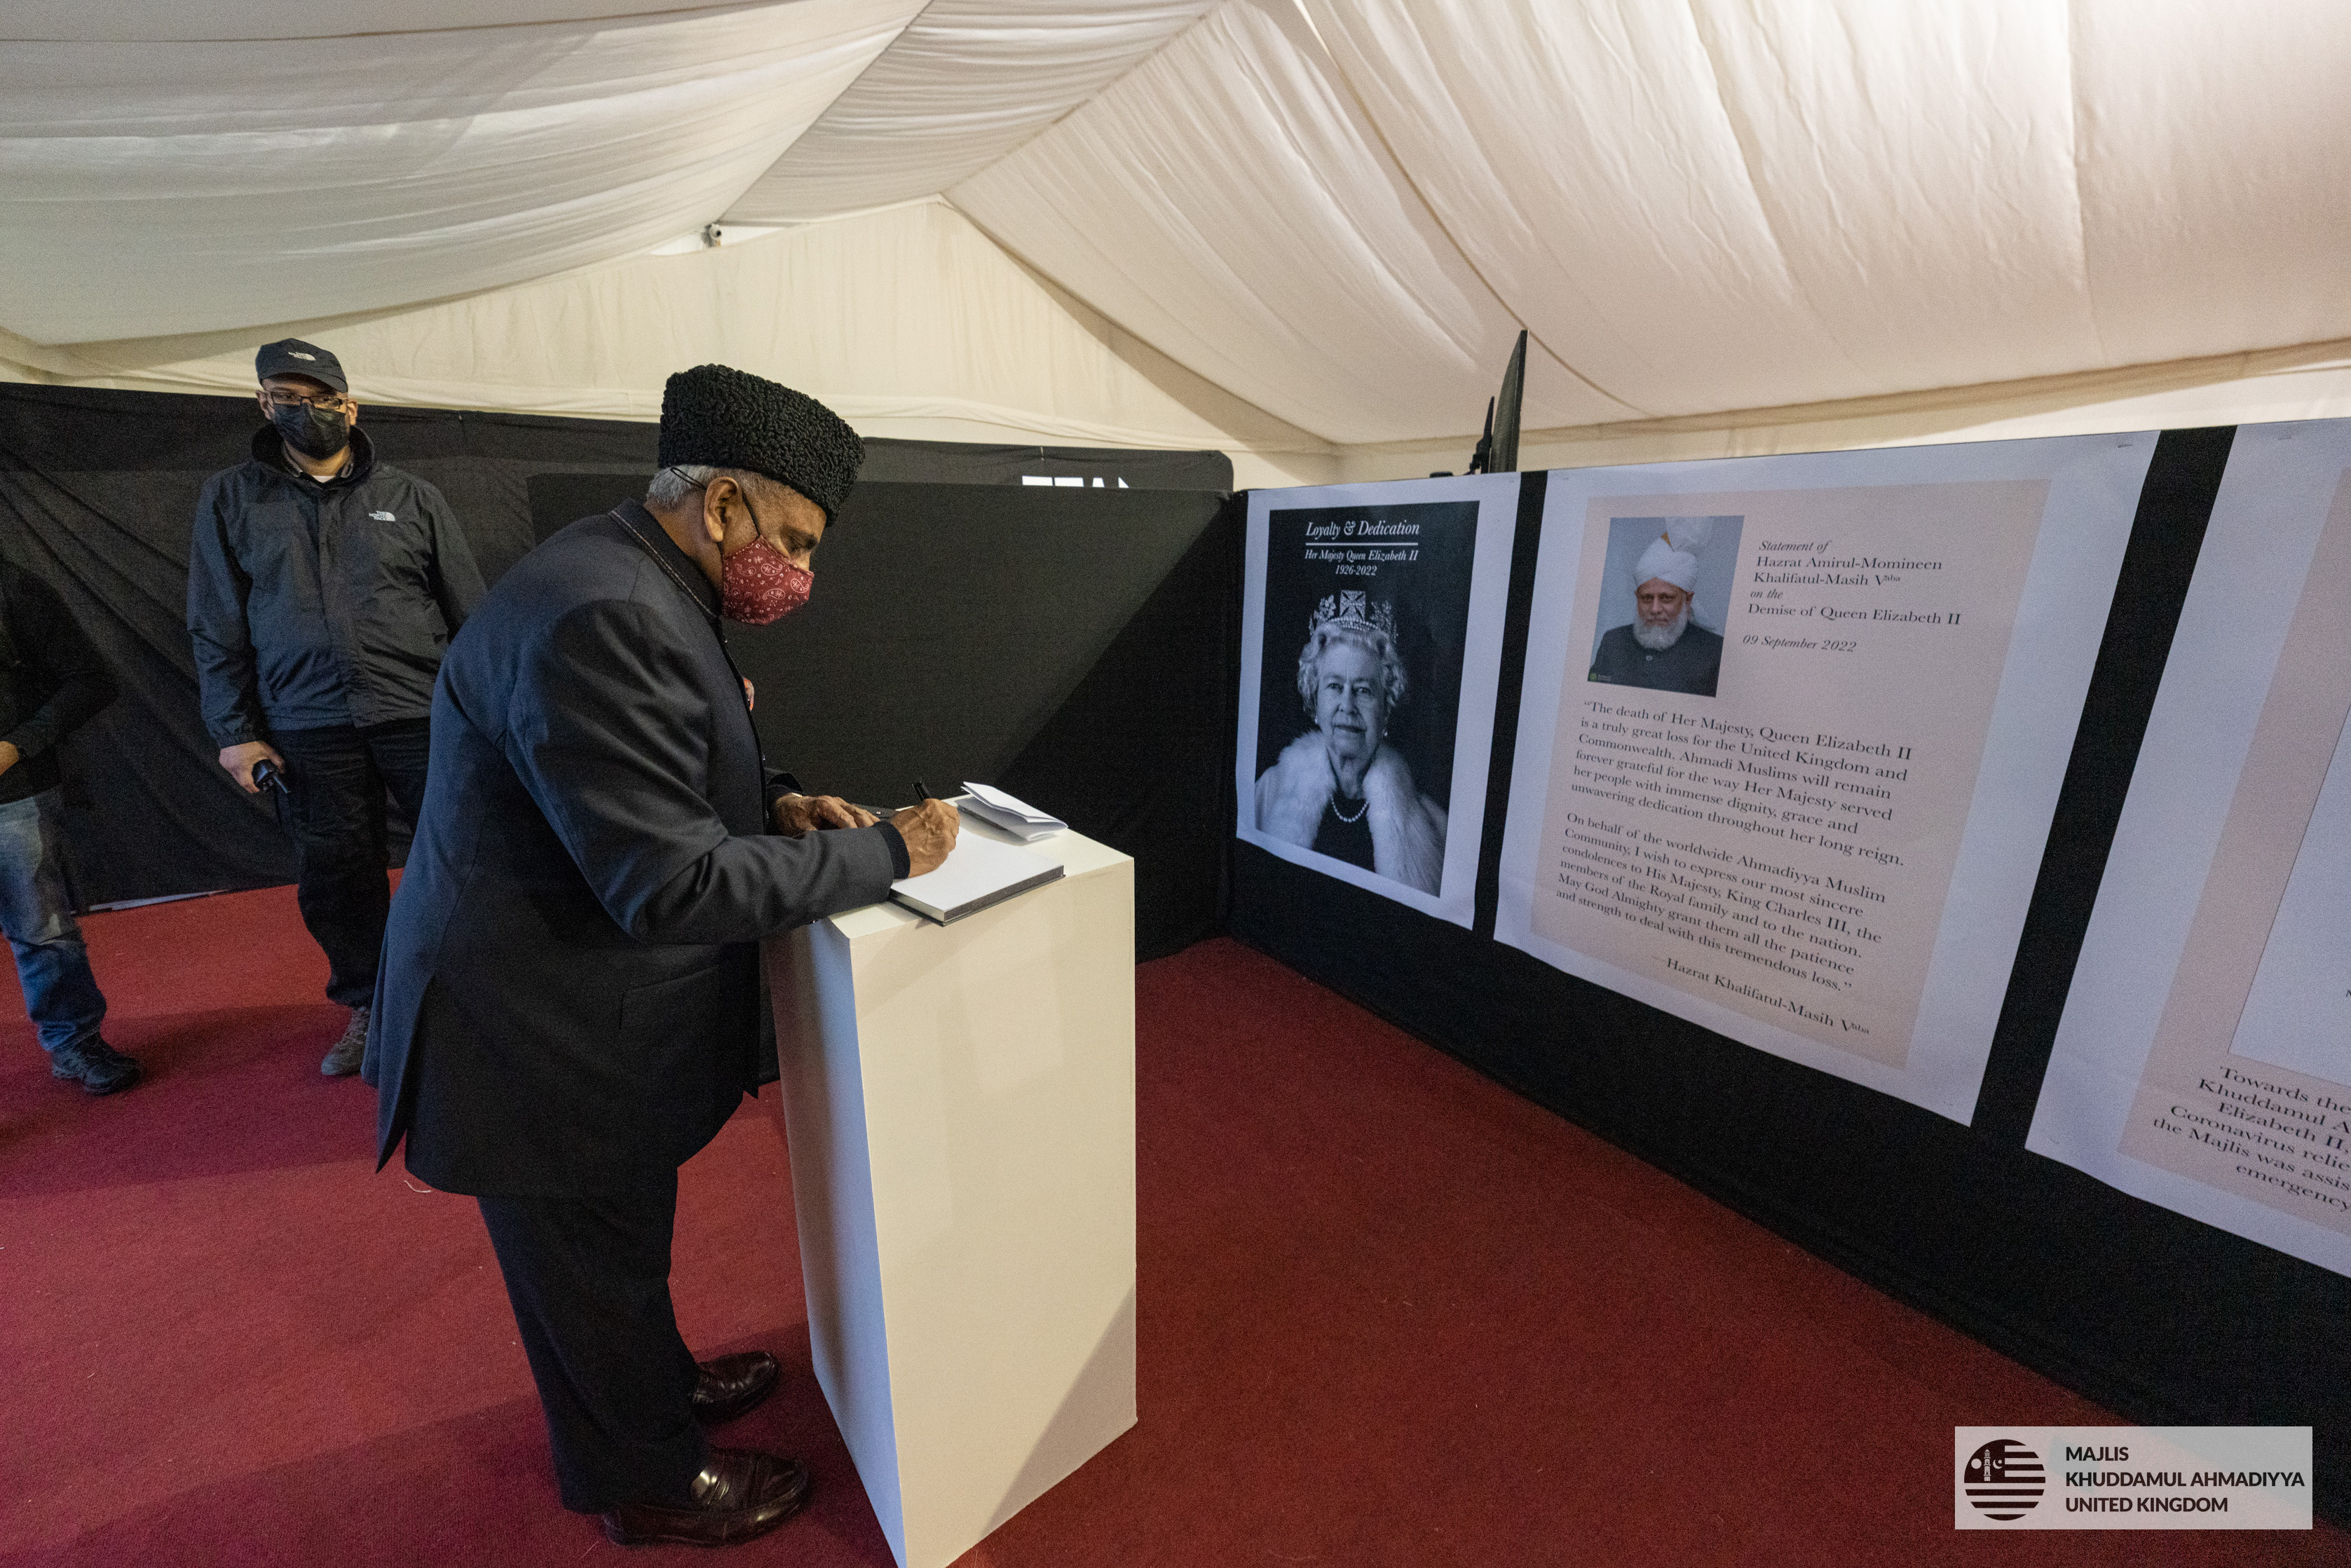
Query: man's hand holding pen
(929, 829)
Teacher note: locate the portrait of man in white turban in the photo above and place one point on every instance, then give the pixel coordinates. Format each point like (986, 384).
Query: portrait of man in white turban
(1663, 647)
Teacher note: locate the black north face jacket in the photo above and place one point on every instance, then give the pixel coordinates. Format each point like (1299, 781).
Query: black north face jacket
(315, 603)
(52, 679)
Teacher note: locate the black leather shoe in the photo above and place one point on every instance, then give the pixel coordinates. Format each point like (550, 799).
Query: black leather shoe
(96, 1066)
(731, 1385)
(740, 1494)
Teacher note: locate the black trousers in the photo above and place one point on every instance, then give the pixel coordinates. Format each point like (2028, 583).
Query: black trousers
(589, 1279)
(335, 783)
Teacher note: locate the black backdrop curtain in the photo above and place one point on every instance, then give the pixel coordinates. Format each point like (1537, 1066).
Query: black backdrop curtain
(962, 606)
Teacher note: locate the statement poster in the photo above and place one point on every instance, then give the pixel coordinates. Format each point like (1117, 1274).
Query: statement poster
(1371, 639)
(1792, 732)
(2204, 1059)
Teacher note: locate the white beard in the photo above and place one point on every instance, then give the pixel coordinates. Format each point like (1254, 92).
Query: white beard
(1657, 639)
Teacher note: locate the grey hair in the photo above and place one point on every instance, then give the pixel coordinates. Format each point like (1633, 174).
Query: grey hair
(673, 485)
(1370, 639)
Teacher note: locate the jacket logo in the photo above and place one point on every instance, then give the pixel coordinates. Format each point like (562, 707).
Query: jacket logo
(384, 516)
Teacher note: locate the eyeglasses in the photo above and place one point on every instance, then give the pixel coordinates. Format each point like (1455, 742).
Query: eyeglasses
(280, 398)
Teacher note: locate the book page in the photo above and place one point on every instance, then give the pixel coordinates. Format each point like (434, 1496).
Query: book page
(978, 869)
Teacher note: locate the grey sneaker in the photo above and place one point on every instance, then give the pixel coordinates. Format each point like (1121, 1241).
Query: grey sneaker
(344, 1058)
(96, 1066)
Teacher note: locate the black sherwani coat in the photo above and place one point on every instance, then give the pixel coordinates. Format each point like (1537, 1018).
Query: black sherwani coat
(569, 1000)
(1693, 664)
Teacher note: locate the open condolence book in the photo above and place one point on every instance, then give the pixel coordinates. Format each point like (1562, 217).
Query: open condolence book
(980, 873)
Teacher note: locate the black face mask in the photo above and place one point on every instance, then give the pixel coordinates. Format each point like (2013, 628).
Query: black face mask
(314, 432)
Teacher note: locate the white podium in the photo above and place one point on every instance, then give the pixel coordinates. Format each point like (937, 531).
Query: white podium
(959, 1106)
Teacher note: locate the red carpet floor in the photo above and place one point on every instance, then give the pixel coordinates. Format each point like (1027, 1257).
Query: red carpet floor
(1389, 1314)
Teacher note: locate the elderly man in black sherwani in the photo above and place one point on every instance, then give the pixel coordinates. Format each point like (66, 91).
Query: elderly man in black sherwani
(569, 1005)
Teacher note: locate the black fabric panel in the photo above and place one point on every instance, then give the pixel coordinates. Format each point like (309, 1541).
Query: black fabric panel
(968, 463)
(2159, 1317)
(2165, 536)
(949, 623)
(148, 811)
(97, 496)
(1140, 756)
(1075, 647)
(558, 500)
(1526, 542)
(59, 430)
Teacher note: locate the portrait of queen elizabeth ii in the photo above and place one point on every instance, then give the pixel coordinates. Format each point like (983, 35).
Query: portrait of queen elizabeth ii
(1341, 789)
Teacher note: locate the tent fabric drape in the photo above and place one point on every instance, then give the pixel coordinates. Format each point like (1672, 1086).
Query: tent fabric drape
(1299, 229)
(965, 83)
(1700, 207)
(144, 21)
(1788, 203)
(1229, 201)
(153, 188)
(914, 299)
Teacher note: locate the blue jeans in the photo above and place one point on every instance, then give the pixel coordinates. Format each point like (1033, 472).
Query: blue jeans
(36, 913)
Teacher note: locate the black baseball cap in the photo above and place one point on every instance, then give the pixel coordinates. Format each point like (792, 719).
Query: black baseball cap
(293, 357)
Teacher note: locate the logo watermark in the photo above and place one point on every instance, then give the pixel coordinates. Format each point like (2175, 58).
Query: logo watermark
(2130, 1478)
(2003, 1479)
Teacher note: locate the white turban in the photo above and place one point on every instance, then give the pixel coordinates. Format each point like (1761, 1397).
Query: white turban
(1661, 559)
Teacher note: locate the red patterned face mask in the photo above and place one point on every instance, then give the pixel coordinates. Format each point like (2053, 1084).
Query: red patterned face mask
(759, 584)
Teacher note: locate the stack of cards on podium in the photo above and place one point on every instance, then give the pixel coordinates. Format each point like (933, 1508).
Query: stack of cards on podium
(1018, 818)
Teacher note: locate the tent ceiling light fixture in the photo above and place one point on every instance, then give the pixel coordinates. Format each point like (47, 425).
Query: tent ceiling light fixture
(714, 237)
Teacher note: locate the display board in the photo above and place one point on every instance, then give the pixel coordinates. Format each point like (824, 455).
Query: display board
(2203, 1061)
(1371, 637)
(1806, 808)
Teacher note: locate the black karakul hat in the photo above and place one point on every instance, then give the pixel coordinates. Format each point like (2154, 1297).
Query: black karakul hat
(726, 418)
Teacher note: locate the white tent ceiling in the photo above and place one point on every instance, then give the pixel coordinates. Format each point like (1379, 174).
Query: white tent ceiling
(1317, 223)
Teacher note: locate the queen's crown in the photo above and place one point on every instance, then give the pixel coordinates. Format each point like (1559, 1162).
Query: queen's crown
(1350, 606)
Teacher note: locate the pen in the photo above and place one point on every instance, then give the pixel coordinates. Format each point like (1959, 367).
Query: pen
(921, 793)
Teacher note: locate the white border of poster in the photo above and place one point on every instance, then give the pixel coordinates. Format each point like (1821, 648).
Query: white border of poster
(2273, 506)
(1497, 498)
(2067, 587)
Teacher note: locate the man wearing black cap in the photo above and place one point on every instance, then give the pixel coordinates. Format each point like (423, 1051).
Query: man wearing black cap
(323, 587)
(571, 1003)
